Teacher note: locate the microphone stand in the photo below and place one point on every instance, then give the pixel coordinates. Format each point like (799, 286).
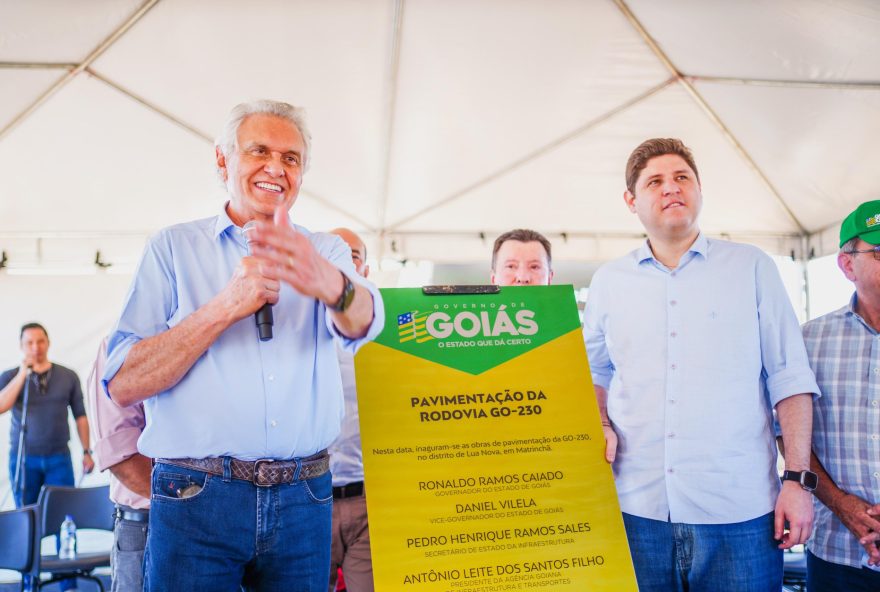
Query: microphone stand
(18, 482)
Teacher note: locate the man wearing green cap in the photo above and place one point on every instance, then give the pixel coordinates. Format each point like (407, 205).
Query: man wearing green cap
(844, 351)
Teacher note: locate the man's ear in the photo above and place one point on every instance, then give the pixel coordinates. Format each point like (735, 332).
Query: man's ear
(366, 269)
(221, 163)
(845, 263)
(630, 200)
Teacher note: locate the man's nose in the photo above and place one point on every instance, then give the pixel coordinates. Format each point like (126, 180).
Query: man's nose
(670, 186)
(273, 165)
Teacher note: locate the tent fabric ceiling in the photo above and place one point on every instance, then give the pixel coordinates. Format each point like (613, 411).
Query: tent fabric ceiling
(437, 124)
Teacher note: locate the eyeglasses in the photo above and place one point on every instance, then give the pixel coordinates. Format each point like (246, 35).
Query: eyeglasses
(875, 250)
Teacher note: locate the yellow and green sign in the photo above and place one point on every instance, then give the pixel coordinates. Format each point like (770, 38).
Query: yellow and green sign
(483, 449)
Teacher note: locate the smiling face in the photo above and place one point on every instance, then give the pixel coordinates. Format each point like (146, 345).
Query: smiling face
(667, 198)
(264, 170)
(520, 263)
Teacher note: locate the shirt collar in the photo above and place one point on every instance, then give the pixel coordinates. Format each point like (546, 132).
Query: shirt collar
(701, 246)
(223, 221)
(224, 226)
(851, 307)
(850, 310)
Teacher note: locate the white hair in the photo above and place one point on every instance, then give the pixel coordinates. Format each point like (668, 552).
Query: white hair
(227, 141)
(850, 245)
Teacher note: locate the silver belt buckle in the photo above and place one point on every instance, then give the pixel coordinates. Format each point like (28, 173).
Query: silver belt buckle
(258, 474)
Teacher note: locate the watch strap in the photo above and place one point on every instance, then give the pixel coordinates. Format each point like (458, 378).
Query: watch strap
(346, 297)
(807, 479)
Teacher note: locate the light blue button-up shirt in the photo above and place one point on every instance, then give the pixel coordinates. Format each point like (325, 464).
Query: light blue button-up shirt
(694, 360)
(346, 455)
(243, 397)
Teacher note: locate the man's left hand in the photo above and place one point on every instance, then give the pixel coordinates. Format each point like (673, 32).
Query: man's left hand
(871, 541)
(88, 464)
(794, 505)
(295, 259)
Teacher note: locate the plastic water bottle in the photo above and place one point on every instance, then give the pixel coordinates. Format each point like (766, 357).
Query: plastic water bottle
(67, 550)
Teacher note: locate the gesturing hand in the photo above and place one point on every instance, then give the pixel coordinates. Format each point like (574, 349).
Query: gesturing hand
(294, 260)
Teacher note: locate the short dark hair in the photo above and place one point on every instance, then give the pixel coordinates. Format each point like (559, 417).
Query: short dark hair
(523, 235)
(654, 147)
(27, 326)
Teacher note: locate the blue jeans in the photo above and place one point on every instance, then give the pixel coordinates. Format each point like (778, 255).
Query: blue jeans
(672, 556)
(824, 576)
(51, 469)
(233, 535)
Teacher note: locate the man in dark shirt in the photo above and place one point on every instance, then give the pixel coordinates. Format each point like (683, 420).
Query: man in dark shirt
(53, 388)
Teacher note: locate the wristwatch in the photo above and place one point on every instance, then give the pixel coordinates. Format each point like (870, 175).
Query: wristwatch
(87, 451)
(808, 479)
(346, 297)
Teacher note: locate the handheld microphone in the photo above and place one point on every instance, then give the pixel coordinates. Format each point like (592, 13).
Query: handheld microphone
(263, 317)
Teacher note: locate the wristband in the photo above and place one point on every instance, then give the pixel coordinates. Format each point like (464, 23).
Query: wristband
(346, 297)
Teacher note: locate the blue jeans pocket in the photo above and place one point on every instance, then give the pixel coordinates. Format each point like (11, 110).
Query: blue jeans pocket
(320, 489)
(178, 485)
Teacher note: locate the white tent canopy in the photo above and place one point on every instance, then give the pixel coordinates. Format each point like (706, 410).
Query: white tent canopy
(437, 123)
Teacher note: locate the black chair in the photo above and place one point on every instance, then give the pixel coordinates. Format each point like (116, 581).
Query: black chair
(90, 507)
(18, 541)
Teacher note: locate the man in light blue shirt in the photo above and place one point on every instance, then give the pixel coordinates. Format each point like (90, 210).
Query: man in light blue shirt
(692, 343)
(238, 425)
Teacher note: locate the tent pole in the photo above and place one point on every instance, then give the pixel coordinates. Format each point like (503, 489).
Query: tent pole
(95, 54)
(806, 255)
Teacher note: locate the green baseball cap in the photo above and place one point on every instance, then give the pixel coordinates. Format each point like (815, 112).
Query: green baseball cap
(863, 222)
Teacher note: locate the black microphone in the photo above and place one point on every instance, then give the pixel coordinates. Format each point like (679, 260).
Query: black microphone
(263, 317)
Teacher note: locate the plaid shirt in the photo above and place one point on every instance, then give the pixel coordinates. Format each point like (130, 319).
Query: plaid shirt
(844, 352)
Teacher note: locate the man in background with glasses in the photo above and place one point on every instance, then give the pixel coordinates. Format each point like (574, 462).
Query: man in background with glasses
(53, 388)
(844, 351)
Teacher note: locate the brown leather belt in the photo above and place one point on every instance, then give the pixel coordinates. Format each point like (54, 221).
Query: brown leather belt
(262, 473)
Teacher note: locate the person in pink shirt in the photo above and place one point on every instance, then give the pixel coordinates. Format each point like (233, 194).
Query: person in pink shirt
(116, 430)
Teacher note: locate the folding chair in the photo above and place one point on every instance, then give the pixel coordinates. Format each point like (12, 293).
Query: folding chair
(90, 507)
(18, 536)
